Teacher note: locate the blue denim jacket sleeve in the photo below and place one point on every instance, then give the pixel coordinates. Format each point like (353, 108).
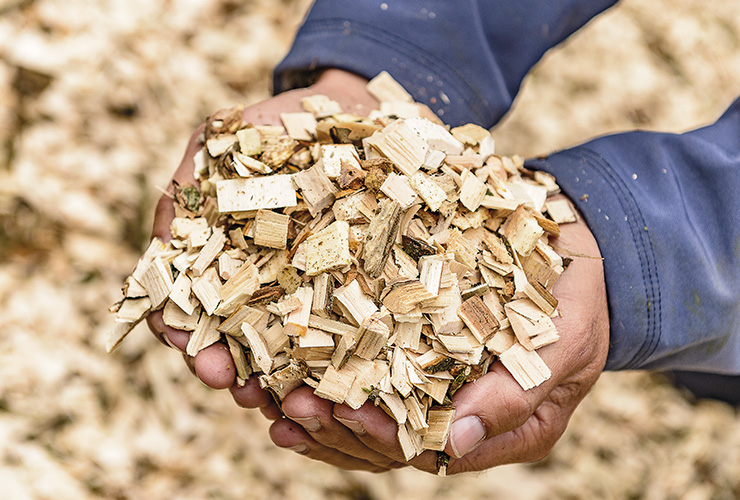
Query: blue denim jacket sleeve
(665, 208)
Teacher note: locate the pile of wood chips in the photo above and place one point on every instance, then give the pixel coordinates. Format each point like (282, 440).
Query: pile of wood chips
(385, 258)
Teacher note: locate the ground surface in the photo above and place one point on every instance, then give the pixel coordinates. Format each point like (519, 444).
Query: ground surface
(97, 98)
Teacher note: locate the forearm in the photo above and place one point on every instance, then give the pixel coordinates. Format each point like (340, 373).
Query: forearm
(665, 210)
(464, 59)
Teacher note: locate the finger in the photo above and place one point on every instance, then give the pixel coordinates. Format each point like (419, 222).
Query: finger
(287, 434)
(177, 339)
(531, 442)
(492, 405)
(251, 395)
(214, 366)
(317, 417)
(379, 432)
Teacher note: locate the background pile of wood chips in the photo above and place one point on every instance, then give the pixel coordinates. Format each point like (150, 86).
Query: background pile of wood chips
(97, 99)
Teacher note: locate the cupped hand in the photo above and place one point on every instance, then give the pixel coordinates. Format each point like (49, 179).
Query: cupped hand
(214, 365)
(496, 422)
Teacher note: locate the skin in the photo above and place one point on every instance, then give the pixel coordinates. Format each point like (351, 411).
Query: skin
(496, 422)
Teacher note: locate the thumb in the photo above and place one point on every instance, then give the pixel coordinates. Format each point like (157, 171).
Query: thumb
(492, 405)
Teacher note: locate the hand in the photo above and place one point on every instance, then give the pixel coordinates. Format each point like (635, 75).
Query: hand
(496, 422)
(213, 365)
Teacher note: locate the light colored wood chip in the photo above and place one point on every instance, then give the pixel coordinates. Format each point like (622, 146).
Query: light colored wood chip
(472, 192)
(254, 193)
(381, 236)
(204, 335)
(282, 382)
(439, 419)
(316, 188)
(275, 339)
(431, 192)
(207, 288)
(465, 252)
(333, 156)
(371, 337)
(386, 89)
(133, 310)
(527, 367)
(502, 341)
(367, 375)
(258, 347)
(271, 229)
(398, 188)
(237, 291)
(300, 126)
(209, 252)
(532, 327)
(315, 338)
(244, 314)
(404, 295)
(175, 317)
(335, 385)
(401, 144)
(219, 144)
(522, 231)
(328, 249)
(243, 369)
(320, 106)
(296, 323)
(470, 134)
(181, 227)
(158, 282)
(393, 405)
(399, 373)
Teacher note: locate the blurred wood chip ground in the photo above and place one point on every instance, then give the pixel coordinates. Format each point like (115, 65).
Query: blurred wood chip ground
(97, 100)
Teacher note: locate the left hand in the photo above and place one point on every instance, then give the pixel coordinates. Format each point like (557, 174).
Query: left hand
(496, 422)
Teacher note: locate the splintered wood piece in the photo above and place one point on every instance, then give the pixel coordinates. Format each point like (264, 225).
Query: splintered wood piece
(207, 288)
(417, 417)
(431, 192)
(315, 338)
(447, 320)
(465, 252)
(210, 251)
(158, 282)
(198, 238)
(400, 143)
(243, 370)
(275, 339)
(331, 326)
(271, 229)
(277, 150)
(296, 323)
(155, 248)
(439, 419)
(283, 381)
(133, 310)
(399, 373)
(398, 188)
(386, 89)
(355, 303)
(403, 295)
(333, 156)
(502, 341)
(408, 335)
(115, 335)
(260, 353)
(316, 188)
(284, 305)
(406, 442)
(219, 144)
(479, 318)
(132, 289)
(381, 236)
(238, 289)
(501, 205)
(250, 141)
(470, 134)
(181, 227)
(436, 388)
(367, 375)
(244, 314)
(323, 294)
(497, 248)
(541, 296)
(328, 249)
(205, 334)
(320, 106)
(440, 140)
(175, 317)
(253, 193)
(300, 126)
(532, 327)
(393, 405)
(227, 266)
(472, 191)
(371, 338)
(430, 273)
(246, 166)
(527, 367)
(335, 384)
(350, 208)
(522, 231)
(561, 211)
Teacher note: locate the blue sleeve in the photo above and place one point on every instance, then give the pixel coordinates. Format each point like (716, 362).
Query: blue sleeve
(665, 210)
(464, 58)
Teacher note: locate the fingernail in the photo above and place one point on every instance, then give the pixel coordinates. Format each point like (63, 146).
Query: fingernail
(299, 448)
(352, 425)
(311, 424)
(466, 434)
